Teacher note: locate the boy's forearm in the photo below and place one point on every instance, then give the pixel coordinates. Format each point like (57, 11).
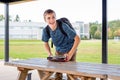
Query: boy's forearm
(47, 47)
(75, 45)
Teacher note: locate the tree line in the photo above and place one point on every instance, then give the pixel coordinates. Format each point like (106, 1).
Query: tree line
(16, 19)
(113, 29)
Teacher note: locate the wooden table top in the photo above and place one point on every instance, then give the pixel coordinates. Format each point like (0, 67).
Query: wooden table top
(76, 68)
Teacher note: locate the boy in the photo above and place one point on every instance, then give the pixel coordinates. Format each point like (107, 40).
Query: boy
(65, 45)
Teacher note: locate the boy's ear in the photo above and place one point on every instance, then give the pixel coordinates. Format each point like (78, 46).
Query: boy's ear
(44, 20)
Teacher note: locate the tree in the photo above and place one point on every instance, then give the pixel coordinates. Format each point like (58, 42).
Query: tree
(29, 20)
(93, 29)
(17, 18)
(114, 25)
(117, 33)
(1, 17)
(97, 34)
(110, 33)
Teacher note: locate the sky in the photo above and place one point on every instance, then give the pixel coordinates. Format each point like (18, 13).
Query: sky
(75, 10)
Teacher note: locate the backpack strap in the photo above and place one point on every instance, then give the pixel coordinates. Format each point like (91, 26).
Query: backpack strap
(66, 21)
(48, 32)
(61, 27)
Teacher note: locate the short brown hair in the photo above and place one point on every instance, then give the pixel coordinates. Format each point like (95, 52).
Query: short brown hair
(48, 11)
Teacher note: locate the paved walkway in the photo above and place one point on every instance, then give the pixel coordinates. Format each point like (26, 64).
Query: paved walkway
(11, 73)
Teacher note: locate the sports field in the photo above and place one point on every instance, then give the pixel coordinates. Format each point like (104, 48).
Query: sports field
(88, 50)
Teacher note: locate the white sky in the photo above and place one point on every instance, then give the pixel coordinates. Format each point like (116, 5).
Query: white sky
(75, 10)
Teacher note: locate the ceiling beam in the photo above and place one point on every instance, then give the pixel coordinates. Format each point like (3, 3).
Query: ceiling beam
(15, 1)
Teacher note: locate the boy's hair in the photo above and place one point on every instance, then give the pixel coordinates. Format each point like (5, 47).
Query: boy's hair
(48, 11)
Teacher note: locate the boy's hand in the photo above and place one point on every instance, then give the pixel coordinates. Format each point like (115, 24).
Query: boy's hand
(68, 57)
(50, 55)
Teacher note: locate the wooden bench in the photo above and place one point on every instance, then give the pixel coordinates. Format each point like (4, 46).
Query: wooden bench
(85, 71)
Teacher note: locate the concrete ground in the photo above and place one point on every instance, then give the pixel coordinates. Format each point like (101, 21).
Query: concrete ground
(11, 73)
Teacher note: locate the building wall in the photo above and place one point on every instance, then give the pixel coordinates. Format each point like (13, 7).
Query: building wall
(82, 29)
(33, 30)
(2, 30)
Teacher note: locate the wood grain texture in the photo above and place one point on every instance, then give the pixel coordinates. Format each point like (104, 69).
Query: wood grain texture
(92, 70)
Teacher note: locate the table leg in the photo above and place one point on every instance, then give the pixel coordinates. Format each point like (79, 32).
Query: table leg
(22, 73)
(105, 77)
(71, 77)
(44, 75)
(87, 78)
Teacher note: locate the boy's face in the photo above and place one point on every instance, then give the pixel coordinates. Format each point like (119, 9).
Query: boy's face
(50, 19)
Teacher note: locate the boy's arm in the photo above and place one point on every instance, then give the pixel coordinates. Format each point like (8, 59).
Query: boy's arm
(47, 48)
(75, 45)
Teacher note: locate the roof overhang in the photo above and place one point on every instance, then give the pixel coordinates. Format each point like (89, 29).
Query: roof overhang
(15, 1)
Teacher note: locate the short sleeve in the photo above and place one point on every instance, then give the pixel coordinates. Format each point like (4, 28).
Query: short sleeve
(45, 36)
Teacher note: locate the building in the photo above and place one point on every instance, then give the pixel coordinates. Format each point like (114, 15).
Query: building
(82, 29)
(33, 30)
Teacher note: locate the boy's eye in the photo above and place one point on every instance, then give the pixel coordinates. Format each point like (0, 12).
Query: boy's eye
(53, 17)
(48, 18)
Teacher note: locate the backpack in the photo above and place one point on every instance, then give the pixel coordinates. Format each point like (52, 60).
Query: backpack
(60, 21)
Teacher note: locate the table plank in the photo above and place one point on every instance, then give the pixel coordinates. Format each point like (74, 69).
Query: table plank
(75, 68)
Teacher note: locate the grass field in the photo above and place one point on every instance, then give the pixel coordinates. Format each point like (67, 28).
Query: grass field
(88, 50)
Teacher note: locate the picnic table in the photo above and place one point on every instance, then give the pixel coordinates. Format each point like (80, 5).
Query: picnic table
(85, 71)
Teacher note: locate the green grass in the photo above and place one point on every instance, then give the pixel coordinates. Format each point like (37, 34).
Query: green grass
(88, 50)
